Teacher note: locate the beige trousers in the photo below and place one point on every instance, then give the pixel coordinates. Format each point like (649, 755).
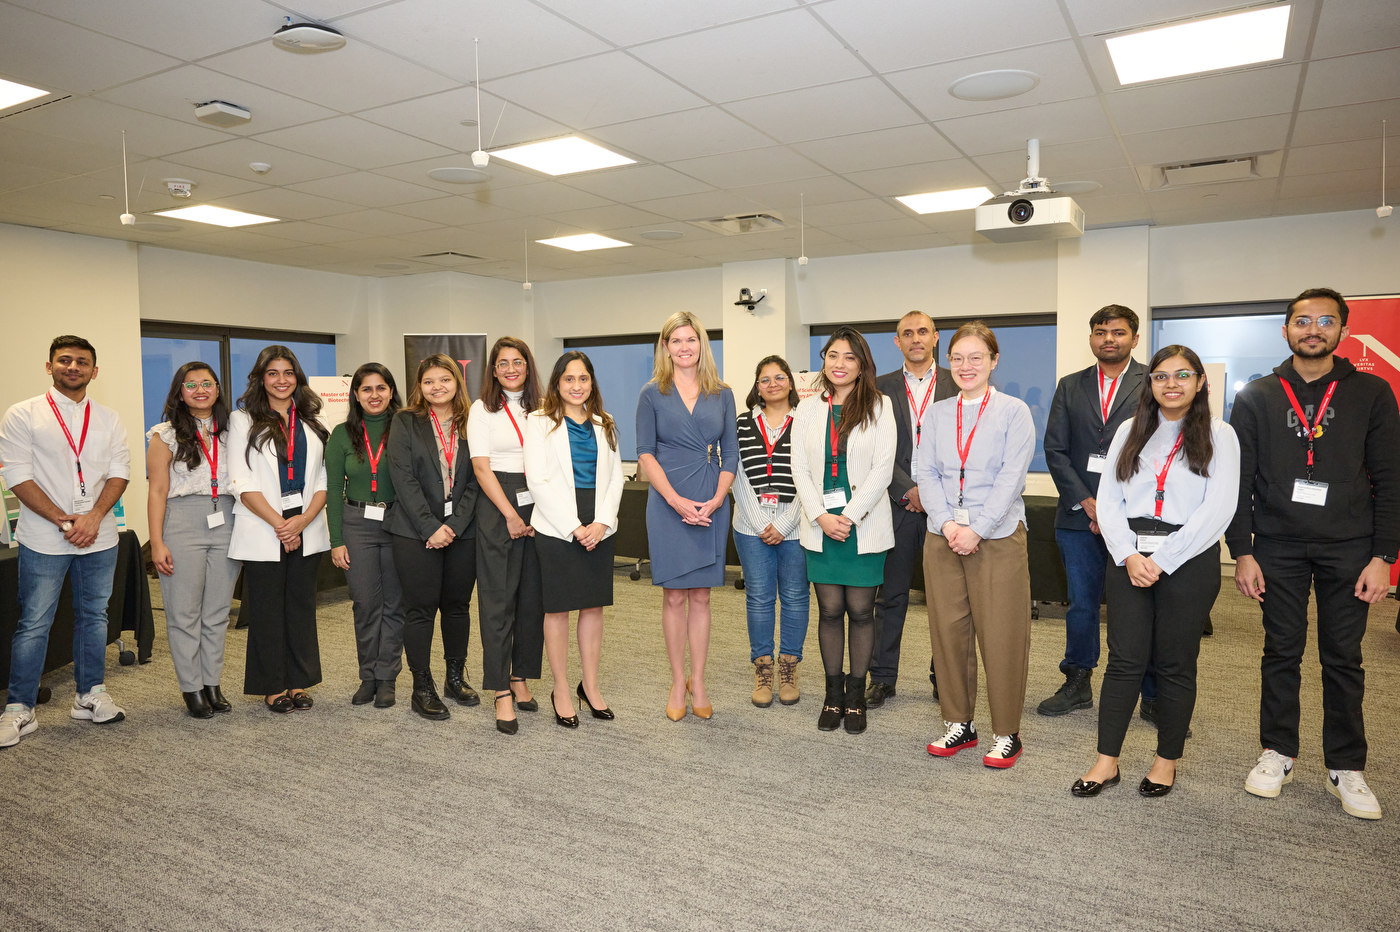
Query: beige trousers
(983, 599)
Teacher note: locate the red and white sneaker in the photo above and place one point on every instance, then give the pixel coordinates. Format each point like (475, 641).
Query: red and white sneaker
(958, 736)
(1006, 749)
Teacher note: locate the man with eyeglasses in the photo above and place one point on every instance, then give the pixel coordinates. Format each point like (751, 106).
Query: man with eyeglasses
(912, 390)
(1320, 492)
(1088, 408)
(65, 458)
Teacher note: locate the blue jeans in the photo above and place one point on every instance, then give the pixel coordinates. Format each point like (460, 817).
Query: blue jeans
(40, 582)
(773, 573)
(1086, 561)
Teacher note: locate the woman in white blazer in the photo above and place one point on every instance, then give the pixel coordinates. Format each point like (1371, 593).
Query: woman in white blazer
(277, 471)
(842, 460)
(574, 470)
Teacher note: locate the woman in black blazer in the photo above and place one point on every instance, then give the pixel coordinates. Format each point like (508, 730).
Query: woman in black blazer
(434, 531)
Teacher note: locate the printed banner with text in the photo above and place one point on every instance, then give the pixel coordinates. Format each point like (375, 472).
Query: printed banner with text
(1373, 345)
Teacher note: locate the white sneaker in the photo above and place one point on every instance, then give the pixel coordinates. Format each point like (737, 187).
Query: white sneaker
(16, 722)
(1357, 799)
(1270, 774)
(97, 707)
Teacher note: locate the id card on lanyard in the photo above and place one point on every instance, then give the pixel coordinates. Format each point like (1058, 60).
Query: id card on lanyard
(962, 515)
(1149, 543)
(767, 498)
(374, 511)
(216, 518)
(1098, 460)
(450, 452)
(291, 499)
(522, 497)
(81, 504)
(918, 410)
(832, 498)
(1306, 491)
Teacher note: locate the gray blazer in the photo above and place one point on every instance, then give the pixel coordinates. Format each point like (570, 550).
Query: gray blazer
(891, 384)
(418, 492)
(1076, 429)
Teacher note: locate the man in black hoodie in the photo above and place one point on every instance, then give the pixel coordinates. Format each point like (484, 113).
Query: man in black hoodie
(1320, 490)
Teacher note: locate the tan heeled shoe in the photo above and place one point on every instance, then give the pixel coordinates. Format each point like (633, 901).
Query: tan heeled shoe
(701, 711)
(676, 715)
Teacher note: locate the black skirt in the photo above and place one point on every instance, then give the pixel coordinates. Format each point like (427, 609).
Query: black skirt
(575, 578)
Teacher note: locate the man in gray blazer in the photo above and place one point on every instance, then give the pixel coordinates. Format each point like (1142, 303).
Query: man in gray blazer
(1088, 409)
(918, 384)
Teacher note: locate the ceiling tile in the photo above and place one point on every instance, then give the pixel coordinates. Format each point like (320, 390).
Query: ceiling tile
(683, 135)
(890, 148)
(695, 206)
(1096, 16)
(611, 88)
(1339, 156)
(636, 182)
(1211, 141)
(14, 176)
(309, 255)
(790, 195)
(878, 229)
(1327, 203)
(148, 190)
(354, 142)
(1052, 123)
(367, 189)
(918, 179)
(857, 106)
(1352, 80)
(176, 93)
(606, 219)
(515, 35)
(751, 166)
(453, 211)
(763, 56)
(352, 78)
(847, 212)
(246, 239)
(50, 152)
(95, 122)
(503, 175)
(60, 57)
(286, 205)
(902, 243)
(319, 233)
(893, 34)
(541, 197)
(1060, 69)
(1220, 214)
(234, 157)
(1338, 124)
(1213, 99)
(438, 118)
(1115, 209)
(1356, 26)
(625, 24)
(1058, 163)
(1213, 195)
(378, 223)
(1365, 181)
(177, 27)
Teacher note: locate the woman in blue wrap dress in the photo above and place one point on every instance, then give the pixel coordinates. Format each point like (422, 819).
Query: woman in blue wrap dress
(688, 450)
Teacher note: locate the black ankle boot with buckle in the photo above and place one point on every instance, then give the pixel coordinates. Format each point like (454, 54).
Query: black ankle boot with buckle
(830, 718)
(855, 704)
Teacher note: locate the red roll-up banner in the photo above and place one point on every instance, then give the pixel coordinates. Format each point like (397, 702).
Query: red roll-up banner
(1373, 345)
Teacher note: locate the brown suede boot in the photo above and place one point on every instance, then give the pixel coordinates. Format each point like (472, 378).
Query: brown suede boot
(788, 693)
(763, 682)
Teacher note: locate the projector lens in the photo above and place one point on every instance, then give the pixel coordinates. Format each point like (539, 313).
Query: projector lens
(1020, 211)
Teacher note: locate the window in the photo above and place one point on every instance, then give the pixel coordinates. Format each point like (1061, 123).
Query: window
(1246, 338)
(1025, 370)
(623, 364)
(232, 351)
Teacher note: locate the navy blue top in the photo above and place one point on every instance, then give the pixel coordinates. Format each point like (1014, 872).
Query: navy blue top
(298, 480)
(583, 449)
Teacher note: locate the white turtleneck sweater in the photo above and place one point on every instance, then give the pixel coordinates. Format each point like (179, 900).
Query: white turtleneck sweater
(493, 435)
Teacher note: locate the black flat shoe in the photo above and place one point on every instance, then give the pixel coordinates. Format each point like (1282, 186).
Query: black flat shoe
(1086, 788)
(302, 701)
(365, 694)
(570, 722)
(281, 705)
(1150, 789)
(198, 706)
(529, 705)
(215, 697)
(506, 727)
(604, 713)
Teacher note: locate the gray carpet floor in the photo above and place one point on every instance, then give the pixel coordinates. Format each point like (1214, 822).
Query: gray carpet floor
(352, 818)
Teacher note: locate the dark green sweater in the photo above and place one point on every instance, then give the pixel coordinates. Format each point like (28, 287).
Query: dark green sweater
(347, 475)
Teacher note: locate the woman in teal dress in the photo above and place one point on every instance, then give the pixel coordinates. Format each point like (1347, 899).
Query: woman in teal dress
(842, 461)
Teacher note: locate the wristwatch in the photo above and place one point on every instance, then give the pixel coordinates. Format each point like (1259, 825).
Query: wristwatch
(1388, 559)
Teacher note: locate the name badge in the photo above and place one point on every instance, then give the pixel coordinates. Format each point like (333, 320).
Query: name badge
(374, 512)
(834, 498)
(768, 499)
(447, 509)
(215, 520)
(292, 500)
(1096, 462)
(962, 516)
(1150, 543)
(523, 498)
(1309, 493)
(82, 506)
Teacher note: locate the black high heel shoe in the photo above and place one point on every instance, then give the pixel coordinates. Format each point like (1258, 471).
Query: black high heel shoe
(570, 722)
(529, 705)
(1086, 788)
(604, 713)
(506, 727)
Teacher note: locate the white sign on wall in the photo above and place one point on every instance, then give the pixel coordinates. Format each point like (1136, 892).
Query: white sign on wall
(335, 396)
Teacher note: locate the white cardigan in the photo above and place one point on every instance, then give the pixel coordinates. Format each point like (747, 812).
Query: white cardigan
(549, 474)
(869, 468)
(253, 538)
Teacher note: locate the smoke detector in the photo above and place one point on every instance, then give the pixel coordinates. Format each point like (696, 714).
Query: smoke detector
(180, 187)
(221, 113)
(307, 37)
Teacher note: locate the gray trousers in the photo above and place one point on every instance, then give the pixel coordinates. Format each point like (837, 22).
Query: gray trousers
(375, 594)
(197, 596)
(509, 600)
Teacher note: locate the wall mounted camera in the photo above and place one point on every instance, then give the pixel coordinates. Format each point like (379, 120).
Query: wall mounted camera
(746, 298)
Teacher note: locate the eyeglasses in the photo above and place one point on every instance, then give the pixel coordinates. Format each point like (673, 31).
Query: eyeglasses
(504, 364)
(1325, 322)
(1184, 375)
(773, 380)
(974, 359)
(193, 386)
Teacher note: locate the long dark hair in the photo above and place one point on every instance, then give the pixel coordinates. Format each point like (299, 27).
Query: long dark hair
(267, 422)
(177, 413)
(863, 403)
(1195, 428)
(755, 398)
(553, 404)
(419, 404)
(355, 420)
(491, 388)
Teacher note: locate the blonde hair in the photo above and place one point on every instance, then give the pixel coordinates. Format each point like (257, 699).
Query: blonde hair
(664, 373)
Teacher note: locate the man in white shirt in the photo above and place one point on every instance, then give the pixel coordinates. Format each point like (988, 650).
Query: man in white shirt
(65, 458)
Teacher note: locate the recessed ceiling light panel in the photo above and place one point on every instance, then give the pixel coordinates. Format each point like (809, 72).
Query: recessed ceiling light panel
(1201, 45)
(563, 156)
(219, 216)
(583, 242)
(12, 94)
(936, 202)
(993, 85)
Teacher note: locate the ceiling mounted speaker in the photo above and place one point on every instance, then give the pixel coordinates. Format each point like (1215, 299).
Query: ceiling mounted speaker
(993, 85)
(307, 37)
(459, 175)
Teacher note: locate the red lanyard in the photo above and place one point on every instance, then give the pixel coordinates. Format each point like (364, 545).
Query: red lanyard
(374, 462)
(1106, 401)
(1162, 476)
(919, 409)
(1313, 430)
(505, 403)
(213, 460)
(963, 451)
(831, 420)
(291, 432)
(768, 447)
(82, 440)
(449, 451)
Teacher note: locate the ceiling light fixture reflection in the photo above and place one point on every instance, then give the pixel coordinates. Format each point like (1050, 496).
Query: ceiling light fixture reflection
(218, 216)
(936, 202)
(1201, 45)
(583, 242)
(12, 93)
(563, 156)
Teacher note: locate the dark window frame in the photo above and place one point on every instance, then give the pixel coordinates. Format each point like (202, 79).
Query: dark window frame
(944, 324)
(625, 339)
(177, 330)
(1238, 309)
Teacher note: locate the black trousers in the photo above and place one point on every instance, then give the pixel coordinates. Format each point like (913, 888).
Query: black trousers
(508, 592)
(1161, 624)
(433, 581)
(279, 602)
(1291, 569)
(892, 604)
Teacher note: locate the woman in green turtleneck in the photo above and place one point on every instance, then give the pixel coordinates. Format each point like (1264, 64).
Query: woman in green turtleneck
(359, 492)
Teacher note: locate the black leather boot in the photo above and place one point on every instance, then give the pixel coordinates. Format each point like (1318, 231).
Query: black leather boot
(855, 705)
(456, 685)
(198, 707)
(1076, 693)
(832, 706)
(425, 698)
(215, 697)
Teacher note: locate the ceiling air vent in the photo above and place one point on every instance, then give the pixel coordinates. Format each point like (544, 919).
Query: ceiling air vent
(1211, 172)
(737, 224)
